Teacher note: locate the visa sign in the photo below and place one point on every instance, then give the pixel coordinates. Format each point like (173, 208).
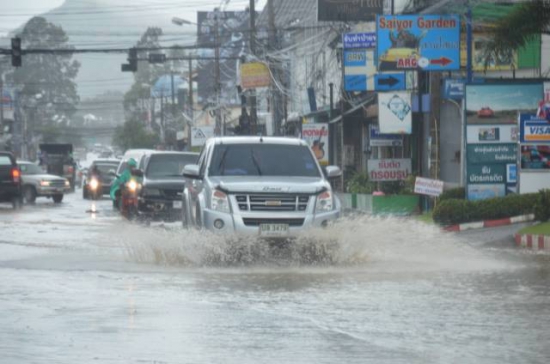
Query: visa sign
(534, 129)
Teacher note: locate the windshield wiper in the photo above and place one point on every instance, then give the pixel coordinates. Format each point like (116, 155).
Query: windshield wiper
(221, 166)
(255, 162)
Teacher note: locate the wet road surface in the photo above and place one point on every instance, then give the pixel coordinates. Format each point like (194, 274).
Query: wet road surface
(83, 287)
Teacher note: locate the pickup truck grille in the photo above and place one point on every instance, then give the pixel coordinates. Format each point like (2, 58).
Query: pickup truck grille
(258, 222)
(272, 202)
(57, 183)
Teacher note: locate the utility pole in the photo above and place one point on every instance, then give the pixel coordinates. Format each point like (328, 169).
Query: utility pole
(217, 86)
(253, 107)
(190, 101)
(275, 99)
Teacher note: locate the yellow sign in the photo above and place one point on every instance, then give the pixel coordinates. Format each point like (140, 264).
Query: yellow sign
(255, 75)
(501, 62)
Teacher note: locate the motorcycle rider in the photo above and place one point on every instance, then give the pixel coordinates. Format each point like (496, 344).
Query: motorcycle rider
(124, 177)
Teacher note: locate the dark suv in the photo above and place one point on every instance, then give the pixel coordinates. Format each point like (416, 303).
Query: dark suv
(162, 185)
(10, 180)
(97, 185)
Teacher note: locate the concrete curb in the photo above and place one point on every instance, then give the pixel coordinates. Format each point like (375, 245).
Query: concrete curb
(535, 242)
(490, 223)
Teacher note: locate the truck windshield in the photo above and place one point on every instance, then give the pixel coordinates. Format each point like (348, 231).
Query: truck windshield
(263, 160)
(28, 169)
(168, 165)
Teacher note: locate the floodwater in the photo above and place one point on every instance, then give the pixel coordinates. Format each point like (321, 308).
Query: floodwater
(78, 284)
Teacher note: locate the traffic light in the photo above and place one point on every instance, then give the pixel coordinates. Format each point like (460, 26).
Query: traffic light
(16, 55)
(131, 66)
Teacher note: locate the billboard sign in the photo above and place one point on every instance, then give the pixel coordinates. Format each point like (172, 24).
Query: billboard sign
(348, 10)
(389, 169)
(511, 173)
(316, 136)
(359, 40)
(359, 69)
(492, 153)
(533, 129)
(429, 187)
(499, 104)
(254, 75)
(535, 157)
(418, 42)
(395, 112)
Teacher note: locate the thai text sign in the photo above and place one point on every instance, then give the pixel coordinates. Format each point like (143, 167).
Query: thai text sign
(418, 42)
(487, 173)
(534, 129)
(492, 153)
(389, 169)
(348, 10)
(359, 40)
(430, 187)
(316, 136)
(255, 75)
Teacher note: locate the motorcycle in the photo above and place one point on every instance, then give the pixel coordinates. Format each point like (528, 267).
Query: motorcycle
(94, 189)
(129, 193)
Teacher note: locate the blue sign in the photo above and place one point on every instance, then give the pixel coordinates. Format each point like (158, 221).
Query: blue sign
(511, 173)
(533, 129)
(389, 81)
(355, 82)
(359, 40)
(418, 42)
(454, 89)
(355, 59)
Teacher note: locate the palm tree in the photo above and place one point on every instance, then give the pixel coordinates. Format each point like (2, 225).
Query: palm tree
(529, 19)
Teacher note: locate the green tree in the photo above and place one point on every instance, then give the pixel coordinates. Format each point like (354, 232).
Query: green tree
(47, 92)
(526, 21)
(133, 134)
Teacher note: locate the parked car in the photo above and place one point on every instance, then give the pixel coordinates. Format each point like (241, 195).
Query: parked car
(37, 183)
(485, 112)
(267, 187)
(162, 185)
(96, 185)
(10, 180)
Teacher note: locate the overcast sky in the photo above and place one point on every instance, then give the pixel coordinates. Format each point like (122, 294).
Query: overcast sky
(16, 12)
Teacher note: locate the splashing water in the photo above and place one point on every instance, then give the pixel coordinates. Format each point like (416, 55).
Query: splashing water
(391, 243)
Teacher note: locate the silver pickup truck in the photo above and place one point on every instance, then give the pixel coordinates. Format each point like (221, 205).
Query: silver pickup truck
(263, 186)
(37, 183)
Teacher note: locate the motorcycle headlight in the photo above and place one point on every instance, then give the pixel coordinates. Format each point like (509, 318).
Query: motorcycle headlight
(94, 184)
(133, 186)
(151, 192)
(324, 202)
(219, 201)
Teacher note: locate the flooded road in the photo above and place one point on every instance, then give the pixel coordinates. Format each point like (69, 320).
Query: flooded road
(89, 287)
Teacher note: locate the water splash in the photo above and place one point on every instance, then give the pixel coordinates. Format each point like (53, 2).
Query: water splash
(388, 242)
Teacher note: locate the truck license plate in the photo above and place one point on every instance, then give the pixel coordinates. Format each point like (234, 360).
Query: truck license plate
(178, 204)
(274, 229)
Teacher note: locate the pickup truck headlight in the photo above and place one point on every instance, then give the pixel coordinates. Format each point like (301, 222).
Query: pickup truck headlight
(219, 201)
(45, 183)
(324, 202)
(67, 183)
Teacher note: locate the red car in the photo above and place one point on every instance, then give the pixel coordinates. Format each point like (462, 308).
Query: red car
(485, 112)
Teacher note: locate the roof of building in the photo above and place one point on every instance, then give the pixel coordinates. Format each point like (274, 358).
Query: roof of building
(290, 13)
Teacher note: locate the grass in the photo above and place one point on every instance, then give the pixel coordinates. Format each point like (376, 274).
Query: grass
(539, 229)
(426, 218)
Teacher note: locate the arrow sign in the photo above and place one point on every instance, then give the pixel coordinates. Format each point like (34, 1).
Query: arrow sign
(443, 61)
(389, 81)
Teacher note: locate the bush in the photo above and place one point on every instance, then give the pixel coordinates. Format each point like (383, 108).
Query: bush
(542, 206)
(453, 193)
(457, 211)
(360, 183)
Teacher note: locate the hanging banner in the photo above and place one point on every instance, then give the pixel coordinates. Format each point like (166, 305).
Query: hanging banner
(395, 112)
(316, 136)
(418, 42)
(429, 187)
